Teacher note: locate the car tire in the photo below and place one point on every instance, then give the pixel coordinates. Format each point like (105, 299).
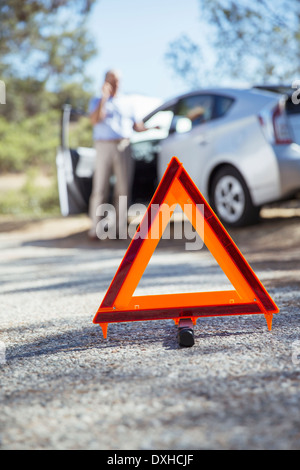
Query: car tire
(231, 200)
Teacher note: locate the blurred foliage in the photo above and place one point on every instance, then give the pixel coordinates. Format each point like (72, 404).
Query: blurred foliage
(186, 59)
(29, 146)
(39, 37)
(32, 199)
(30, 142)
(253, 41)
(80, 133)
(44, 49)
(256, 39)
(29, 97)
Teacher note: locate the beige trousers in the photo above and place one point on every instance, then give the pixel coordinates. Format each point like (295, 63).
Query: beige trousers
(112, 158)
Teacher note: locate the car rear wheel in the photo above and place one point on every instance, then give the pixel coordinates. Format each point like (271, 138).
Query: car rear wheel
(231, 200)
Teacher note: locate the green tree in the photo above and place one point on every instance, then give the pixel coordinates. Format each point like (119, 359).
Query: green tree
(254, 41)
(45, 39)
(185, 57)
(44, 47)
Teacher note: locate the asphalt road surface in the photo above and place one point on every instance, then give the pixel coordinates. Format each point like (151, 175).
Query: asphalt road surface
(64, 387)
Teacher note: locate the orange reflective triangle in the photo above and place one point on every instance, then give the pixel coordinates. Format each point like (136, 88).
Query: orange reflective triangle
(249, 296)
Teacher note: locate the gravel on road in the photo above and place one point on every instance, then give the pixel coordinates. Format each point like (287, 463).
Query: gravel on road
(64, 387)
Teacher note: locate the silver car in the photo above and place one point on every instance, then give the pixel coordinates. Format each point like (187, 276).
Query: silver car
(237, 145)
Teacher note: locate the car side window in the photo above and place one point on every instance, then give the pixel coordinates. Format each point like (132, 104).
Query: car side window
(191, 112)
(222, 105)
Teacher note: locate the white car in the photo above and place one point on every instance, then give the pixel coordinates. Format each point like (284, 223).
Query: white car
(237, 145)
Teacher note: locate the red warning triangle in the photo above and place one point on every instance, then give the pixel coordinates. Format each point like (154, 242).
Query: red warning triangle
(249, 296)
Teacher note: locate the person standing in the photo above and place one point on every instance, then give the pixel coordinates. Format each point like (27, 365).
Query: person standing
(113, 121)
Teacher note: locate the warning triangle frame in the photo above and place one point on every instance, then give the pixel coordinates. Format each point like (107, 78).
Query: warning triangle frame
(119, 303)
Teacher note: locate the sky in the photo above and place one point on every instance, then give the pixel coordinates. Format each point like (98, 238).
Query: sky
(133, 37)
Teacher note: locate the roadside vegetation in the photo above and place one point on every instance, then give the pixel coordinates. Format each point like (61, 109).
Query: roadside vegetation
(28, 147)
(43, 56)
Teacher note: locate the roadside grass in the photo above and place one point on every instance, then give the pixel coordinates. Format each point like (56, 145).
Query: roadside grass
(36, 197)
(27, 158)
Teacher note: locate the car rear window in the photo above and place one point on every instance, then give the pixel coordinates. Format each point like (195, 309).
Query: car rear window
(292, 108)
(197, 108)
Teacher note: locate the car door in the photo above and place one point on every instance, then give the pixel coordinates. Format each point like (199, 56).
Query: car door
(75, 163)
(145, 148)
(190, 135)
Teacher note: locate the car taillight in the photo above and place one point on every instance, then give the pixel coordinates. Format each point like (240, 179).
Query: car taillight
(280, 124)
